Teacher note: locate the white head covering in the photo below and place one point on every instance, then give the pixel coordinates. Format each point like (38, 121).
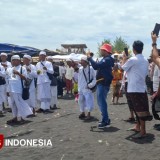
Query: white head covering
(49, 57)
(42, 53)
(84, 58)
(68, 60)
(15, 57)
(4, 54)
(27, 56)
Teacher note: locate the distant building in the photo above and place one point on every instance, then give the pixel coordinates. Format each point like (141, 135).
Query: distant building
(73, 48)
(50, 52)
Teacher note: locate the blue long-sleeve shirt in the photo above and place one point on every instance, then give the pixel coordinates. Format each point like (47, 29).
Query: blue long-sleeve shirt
(104, 69)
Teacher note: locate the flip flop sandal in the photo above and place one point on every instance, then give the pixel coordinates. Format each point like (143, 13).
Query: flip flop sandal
(139, 136)
(132, 129)
(130, 120)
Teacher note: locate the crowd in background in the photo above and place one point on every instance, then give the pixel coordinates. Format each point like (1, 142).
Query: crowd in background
(48, 80)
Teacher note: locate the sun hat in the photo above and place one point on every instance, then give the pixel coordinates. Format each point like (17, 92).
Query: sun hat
(107, 47)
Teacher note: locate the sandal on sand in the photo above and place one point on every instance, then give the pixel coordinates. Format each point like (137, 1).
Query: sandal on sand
(130, 120)
(14, 120)
(139, 136)
(132, 129)
(82, 116)
(88, 118)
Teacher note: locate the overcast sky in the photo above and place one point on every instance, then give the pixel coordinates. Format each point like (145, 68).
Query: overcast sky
(49, 23)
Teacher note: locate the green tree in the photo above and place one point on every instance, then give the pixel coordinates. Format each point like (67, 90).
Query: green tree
(119, 44)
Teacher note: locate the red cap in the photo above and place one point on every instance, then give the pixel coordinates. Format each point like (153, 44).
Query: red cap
(107, 47)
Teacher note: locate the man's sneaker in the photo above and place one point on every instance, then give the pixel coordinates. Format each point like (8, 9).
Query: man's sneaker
(99, 122)
(104, 125)
(109, 121)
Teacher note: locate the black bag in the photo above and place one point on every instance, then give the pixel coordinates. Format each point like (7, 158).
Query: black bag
(2, 81)
(50, 76)
(25, 91)
(93, 89)
(53, 81)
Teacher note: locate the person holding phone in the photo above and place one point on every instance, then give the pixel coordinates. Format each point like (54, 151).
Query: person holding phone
(137, 69)
(104, 78)
(155, 55)
(126, 51)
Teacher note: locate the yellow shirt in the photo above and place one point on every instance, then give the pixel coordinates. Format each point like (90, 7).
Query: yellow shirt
(117, 76)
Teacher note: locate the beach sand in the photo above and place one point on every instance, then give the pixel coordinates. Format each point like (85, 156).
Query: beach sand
(73, 139)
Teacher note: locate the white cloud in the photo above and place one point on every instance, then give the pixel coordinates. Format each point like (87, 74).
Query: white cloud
(47, 24)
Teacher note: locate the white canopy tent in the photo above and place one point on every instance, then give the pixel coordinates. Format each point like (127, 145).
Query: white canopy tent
(73, 56)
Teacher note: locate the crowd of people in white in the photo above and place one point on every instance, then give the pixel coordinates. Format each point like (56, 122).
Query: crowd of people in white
(25, 86)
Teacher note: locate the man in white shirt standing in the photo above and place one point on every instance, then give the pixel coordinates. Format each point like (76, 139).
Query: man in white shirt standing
(137, 70)
(86, 80)
(31, 75)
(69, 76)
(61, 79)
(53, 85)
(6, 65)
(17, 76)
(2, 88)
(43, 82)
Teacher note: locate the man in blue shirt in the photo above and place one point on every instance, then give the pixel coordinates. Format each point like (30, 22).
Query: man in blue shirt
(104, 78)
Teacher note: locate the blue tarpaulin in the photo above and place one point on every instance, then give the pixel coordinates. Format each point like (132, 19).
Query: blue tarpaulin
(16, 49)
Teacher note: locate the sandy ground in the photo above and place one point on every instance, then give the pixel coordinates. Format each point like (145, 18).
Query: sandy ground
(73, 139)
